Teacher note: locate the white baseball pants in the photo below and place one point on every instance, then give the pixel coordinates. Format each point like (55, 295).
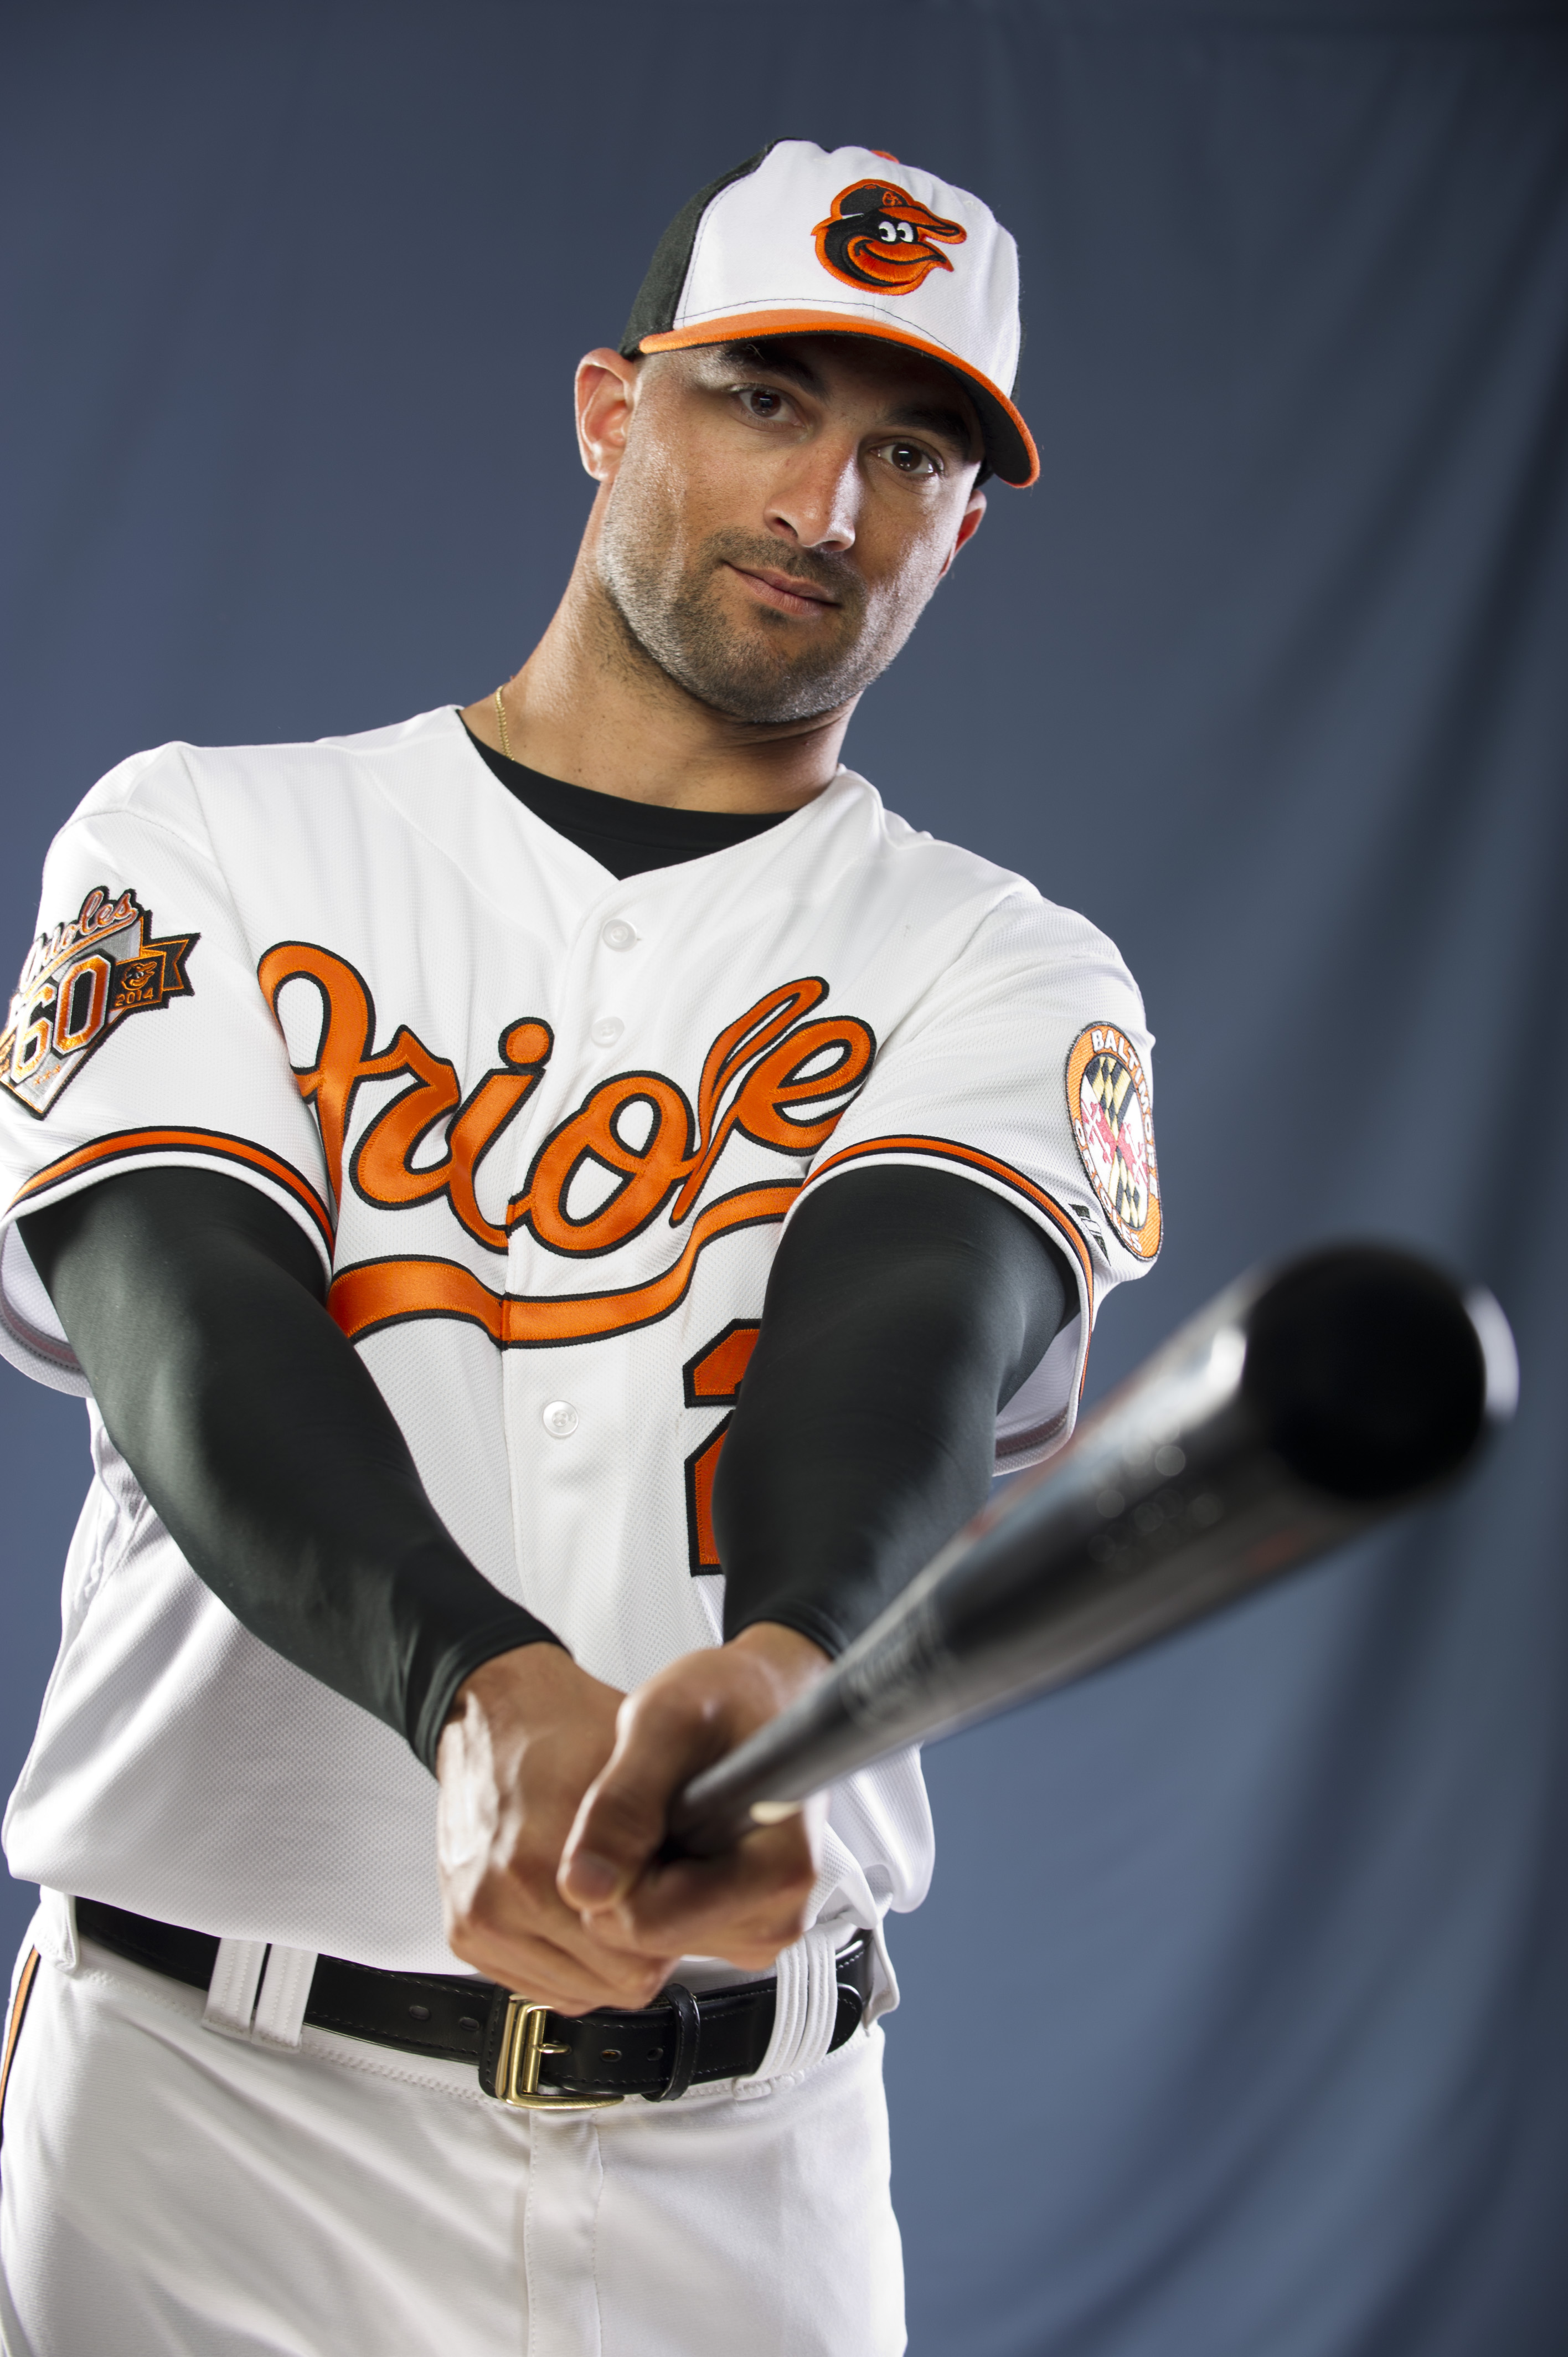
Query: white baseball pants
(170, 2192)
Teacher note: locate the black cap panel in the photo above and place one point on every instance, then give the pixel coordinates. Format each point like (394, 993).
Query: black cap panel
(658, 296)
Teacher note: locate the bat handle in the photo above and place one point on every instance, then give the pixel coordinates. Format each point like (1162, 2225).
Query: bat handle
(737, 1794)
(699, 1831)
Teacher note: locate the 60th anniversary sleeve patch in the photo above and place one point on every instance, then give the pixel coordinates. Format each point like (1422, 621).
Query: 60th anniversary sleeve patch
(1108, 1104)
(79, 983)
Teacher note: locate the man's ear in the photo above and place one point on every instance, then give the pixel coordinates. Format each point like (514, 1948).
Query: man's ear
(969, 523)
(606, 395)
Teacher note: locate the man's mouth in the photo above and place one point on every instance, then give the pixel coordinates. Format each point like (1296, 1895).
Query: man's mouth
(786, 593)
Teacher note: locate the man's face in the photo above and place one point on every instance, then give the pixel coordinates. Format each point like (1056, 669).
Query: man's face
(781, 512)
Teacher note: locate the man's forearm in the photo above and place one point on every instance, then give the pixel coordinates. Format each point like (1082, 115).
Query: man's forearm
(194, 1306)
(904, 1306)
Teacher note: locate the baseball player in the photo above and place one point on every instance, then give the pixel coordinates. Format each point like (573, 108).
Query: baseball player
(557, 1210)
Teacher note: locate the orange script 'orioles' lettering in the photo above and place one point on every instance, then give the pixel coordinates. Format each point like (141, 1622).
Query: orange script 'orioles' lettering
(779, 1080)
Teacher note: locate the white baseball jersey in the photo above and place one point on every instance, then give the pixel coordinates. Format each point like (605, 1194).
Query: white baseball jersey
(545, 1129)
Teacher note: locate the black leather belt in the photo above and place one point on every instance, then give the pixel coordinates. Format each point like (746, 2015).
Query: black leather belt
(526, 2055)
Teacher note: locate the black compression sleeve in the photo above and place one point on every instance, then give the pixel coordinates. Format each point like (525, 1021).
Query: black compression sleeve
(194, 1305)
(904, 1306)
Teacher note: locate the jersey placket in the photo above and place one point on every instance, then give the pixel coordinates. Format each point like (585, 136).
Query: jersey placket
(566, 1401)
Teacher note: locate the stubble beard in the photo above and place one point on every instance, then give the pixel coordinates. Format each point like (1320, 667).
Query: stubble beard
(765, 675)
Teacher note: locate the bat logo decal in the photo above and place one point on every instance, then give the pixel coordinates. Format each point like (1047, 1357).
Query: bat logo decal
(1110, 1107)
(878, 235)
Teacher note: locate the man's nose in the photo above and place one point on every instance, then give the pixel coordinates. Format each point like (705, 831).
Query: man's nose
(816, 503)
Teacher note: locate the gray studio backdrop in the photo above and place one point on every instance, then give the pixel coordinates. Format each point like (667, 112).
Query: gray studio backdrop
(1236, 2026)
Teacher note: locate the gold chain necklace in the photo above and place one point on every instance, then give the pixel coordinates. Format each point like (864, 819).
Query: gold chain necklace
(501, 717)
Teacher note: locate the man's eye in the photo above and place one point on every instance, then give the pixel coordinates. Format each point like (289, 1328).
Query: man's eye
(908, 458)
(760, 401)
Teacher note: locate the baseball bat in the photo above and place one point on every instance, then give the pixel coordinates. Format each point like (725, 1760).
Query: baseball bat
(1305, 1404)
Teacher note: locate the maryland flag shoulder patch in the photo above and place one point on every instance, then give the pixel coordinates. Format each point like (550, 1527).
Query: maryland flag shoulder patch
(1110, 1110)
(80, 981)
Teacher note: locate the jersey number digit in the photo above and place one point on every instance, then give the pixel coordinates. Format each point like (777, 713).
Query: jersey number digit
(713, 1379)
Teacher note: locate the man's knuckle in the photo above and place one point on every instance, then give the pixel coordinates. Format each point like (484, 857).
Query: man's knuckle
(623, 1816)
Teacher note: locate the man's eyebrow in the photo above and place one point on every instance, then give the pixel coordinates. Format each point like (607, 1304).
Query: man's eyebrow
(951, 424)
(920, 417)
(773, 361)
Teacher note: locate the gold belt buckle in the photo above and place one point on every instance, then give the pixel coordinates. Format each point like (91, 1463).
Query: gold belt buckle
(523, 2055)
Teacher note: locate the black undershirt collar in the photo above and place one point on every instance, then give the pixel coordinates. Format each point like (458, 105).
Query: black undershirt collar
(625, 837)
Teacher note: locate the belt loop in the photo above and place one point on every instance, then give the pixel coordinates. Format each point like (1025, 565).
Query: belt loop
(684, 2060)
(56, 1929)
(806, 2008)
(232, 1991)
(285, 1993)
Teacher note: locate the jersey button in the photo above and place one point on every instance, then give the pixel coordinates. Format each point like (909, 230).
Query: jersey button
(616, 934)
(559, 1418)
(607, 1031)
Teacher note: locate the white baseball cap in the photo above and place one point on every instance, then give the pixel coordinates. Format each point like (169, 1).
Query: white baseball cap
(802, 241)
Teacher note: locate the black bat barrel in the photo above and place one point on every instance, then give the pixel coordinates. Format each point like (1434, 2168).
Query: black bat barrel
(1303, 1405)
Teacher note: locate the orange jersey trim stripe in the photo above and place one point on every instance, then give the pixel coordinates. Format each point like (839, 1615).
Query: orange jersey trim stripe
(379, 1293)
(125, 1145)
(19, 2011)
(947, 1150)
(738, 327)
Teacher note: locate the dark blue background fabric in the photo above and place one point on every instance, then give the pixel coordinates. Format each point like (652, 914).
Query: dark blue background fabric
(1235, 2022)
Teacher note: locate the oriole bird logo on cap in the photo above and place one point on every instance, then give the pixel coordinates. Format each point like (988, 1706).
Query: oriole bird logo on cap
(880, 235)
